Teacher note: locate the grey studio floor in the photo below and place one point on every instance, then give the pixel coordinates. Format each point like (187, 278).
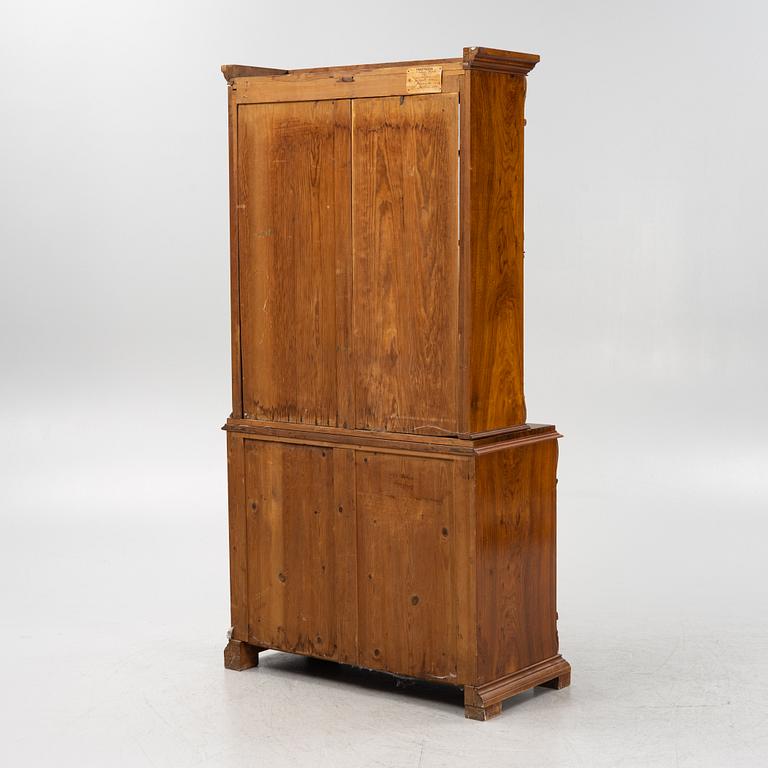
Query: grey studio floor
(115, 619)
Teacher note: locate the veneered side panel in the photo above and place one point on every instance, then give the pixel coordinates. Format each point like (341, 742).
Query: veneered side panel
(515, 506)
(492, 230)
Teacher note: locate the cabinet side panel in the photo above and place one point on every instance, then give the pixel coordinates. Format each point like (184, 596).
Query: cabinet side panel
(494, 168)
(293, 226)
(301, 584)
(515, 507)
(408, 621)
(238, 554)
(405, 256)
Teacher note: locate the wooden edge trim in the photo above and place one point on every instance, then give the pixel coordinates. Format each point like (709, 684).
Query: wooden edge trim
(495, 60)
(465, 258)
(505, 687)
(528, 429)
(231, 71)
(255, 426)
(400, 441)
(234, 262)
(476, 57)
(426, 450)
(238, 563)
(504, 444)
(350, 84)
(465, 558)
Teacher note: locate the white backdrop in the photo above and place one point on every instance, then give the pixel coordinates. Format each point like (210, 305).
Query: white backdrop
(646, 267)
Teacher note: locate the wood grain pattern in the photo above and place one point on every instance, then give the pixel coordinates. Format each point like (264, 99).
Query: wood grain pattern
(408, 622)
(293, 233)
(465, 567)
(234, 262)
(341, 83)
(464, 328)
(360, 438)
(301, 552)
(492, 238)
(515, 509)
(345, 365)
(238, 553)
(405, 262)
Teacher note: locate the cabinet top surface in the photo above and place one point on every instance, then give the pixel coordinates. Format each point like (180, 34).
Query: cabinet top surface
(492, 59)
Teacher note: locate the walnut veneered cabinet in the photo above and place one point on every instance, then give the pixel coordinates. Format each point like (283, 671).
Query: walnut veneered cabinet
(389, 506)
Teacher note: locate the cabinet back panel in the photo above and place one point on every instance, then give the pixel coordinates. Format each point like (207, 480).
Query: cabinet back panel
(406, 583)
(405, 262)
(301, 542)
(294, 240)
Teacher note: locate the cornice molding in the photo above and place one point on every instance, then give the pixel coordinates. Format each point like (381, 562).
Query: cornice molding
(231, 71)
(495, 60)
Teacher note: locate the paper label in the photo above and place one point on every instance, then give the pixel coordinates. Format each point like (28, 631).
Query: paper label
(424, 80)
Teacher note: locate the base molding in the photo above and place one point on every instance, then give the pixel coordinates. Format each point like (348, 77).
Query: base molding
(482, 702)
(241, 656)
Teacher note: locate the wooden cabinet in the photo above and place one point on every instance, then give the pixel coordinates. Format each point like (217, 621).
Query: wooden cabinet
(389, 505)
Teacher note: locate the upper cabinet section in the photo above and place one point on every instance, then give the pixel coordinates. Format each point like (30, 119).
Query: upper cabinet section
(377, 244)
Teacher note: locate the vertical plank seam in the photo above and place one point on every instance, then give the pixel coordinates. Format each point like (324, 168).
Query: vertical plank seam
(455, 578)
(465, 272)
(236, 341)
(238, 265)
(473, 568)
(243, 496)
(357, 559)
(352, 340)
(521, 155)
(458, 392)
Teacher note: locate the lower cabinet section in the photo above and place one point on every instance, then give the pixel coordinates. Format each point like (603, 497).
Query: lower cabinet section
(436, 562)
